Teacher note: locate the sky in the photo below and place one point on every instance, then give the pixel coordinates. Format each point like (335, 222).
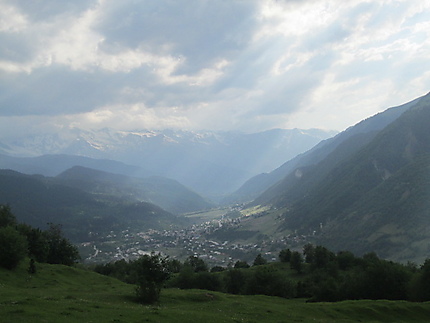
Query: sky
(246, 65)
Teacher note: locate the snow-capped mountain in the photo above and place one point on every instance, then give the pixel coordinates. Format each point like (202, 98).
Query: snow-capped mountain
(212, 163)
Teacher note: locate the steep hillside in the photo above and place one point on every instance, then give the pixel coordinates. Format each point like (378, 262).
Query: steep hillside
(37, 200)
(391, 219)
(351, 139)
(166, 193)
(361, 195)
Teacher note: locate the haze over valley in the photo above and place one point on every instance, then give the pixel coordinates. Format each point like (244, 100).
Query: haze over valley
(221, 129)
(372, 177)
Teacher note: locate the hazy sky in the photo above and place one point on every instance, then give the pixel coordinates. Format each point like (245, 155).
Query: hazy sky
(246, 65)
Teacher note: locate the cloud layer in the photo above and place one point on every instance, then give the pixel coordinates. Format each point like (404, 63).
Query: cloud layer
(197, 64)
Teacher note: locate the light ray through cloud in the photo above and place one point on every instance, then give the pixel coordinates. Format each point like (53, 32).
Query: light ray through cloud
(219, 65)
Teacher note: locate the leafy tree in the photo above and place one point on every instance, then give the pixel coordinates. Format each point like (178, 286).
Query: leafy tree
(38, 247)
(285, 255)
(241, 264)
(345, 260)
(61, 251)
(234, 281)
(296, 261)
(174, 265)
(120, 269)
(322, 257)
(370, 258)
(420, 285)
(259, 260)
(196, 264)
(327, 290)
(13, 247)
(152, 272)
(425, 281)
(6, 216)
(377, 279)
(185, 279)
(268, 281)
(206, 280)
(309, 252)
(217, 269)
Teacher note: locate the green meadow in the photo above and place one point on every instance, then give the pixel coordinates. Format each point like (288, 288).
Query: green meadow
(64, 294)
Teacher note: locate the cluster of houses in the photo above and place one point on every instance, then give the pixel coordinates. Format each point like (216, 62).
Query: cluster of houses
(198, 240)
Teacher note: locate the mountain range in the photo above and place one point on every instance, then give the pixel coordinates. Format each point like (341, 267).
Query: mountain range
(166, 193)
(90, 204)
(352, 138)
(211, 163)
(367, 189)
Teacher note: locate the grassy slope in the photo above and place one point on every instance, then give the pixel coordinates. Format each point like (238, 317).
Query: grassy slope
(63, 294)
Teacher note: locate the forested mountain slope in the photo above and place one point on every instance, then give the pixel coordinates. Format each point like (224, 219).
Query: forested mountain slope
(166, 193)
(38, 200)
(352, 138)
(370, 193)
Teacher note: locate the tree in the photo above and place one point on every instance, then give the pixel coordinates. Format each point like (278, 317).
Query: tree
(309, 252)
(174, 265)
(345, 260)
(151, 271)
(206, 280)
(421, 283)
(185, 279)
(13, 247)
(326, 290)
(217, 269)
(6, 216)
(241, 264)
(389, 281)
(196, 264)
(38, 247)
(296, 261)
(120, 269)
(285, 255)
(268, 281)
(60, 250)
(234, 281)
(322, 257)
(259, 260)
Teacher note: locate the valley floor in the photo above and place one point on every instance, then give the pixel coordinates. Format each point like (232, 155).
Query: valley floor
(216, 237)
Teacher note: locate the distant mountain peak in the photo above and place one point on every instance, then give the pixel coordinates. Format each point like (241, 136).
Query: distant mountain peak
(211, 162)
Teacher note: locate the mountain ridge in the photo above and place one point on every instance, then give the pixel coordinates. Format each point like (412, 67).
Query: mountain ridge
(257, 185)
(384, 177)
(37, 200)
(211, 163)
(166, 193)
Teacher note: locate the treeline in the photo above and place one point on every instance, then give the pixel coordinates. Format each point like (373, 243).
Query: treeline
(19, 241)
(315, 273)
